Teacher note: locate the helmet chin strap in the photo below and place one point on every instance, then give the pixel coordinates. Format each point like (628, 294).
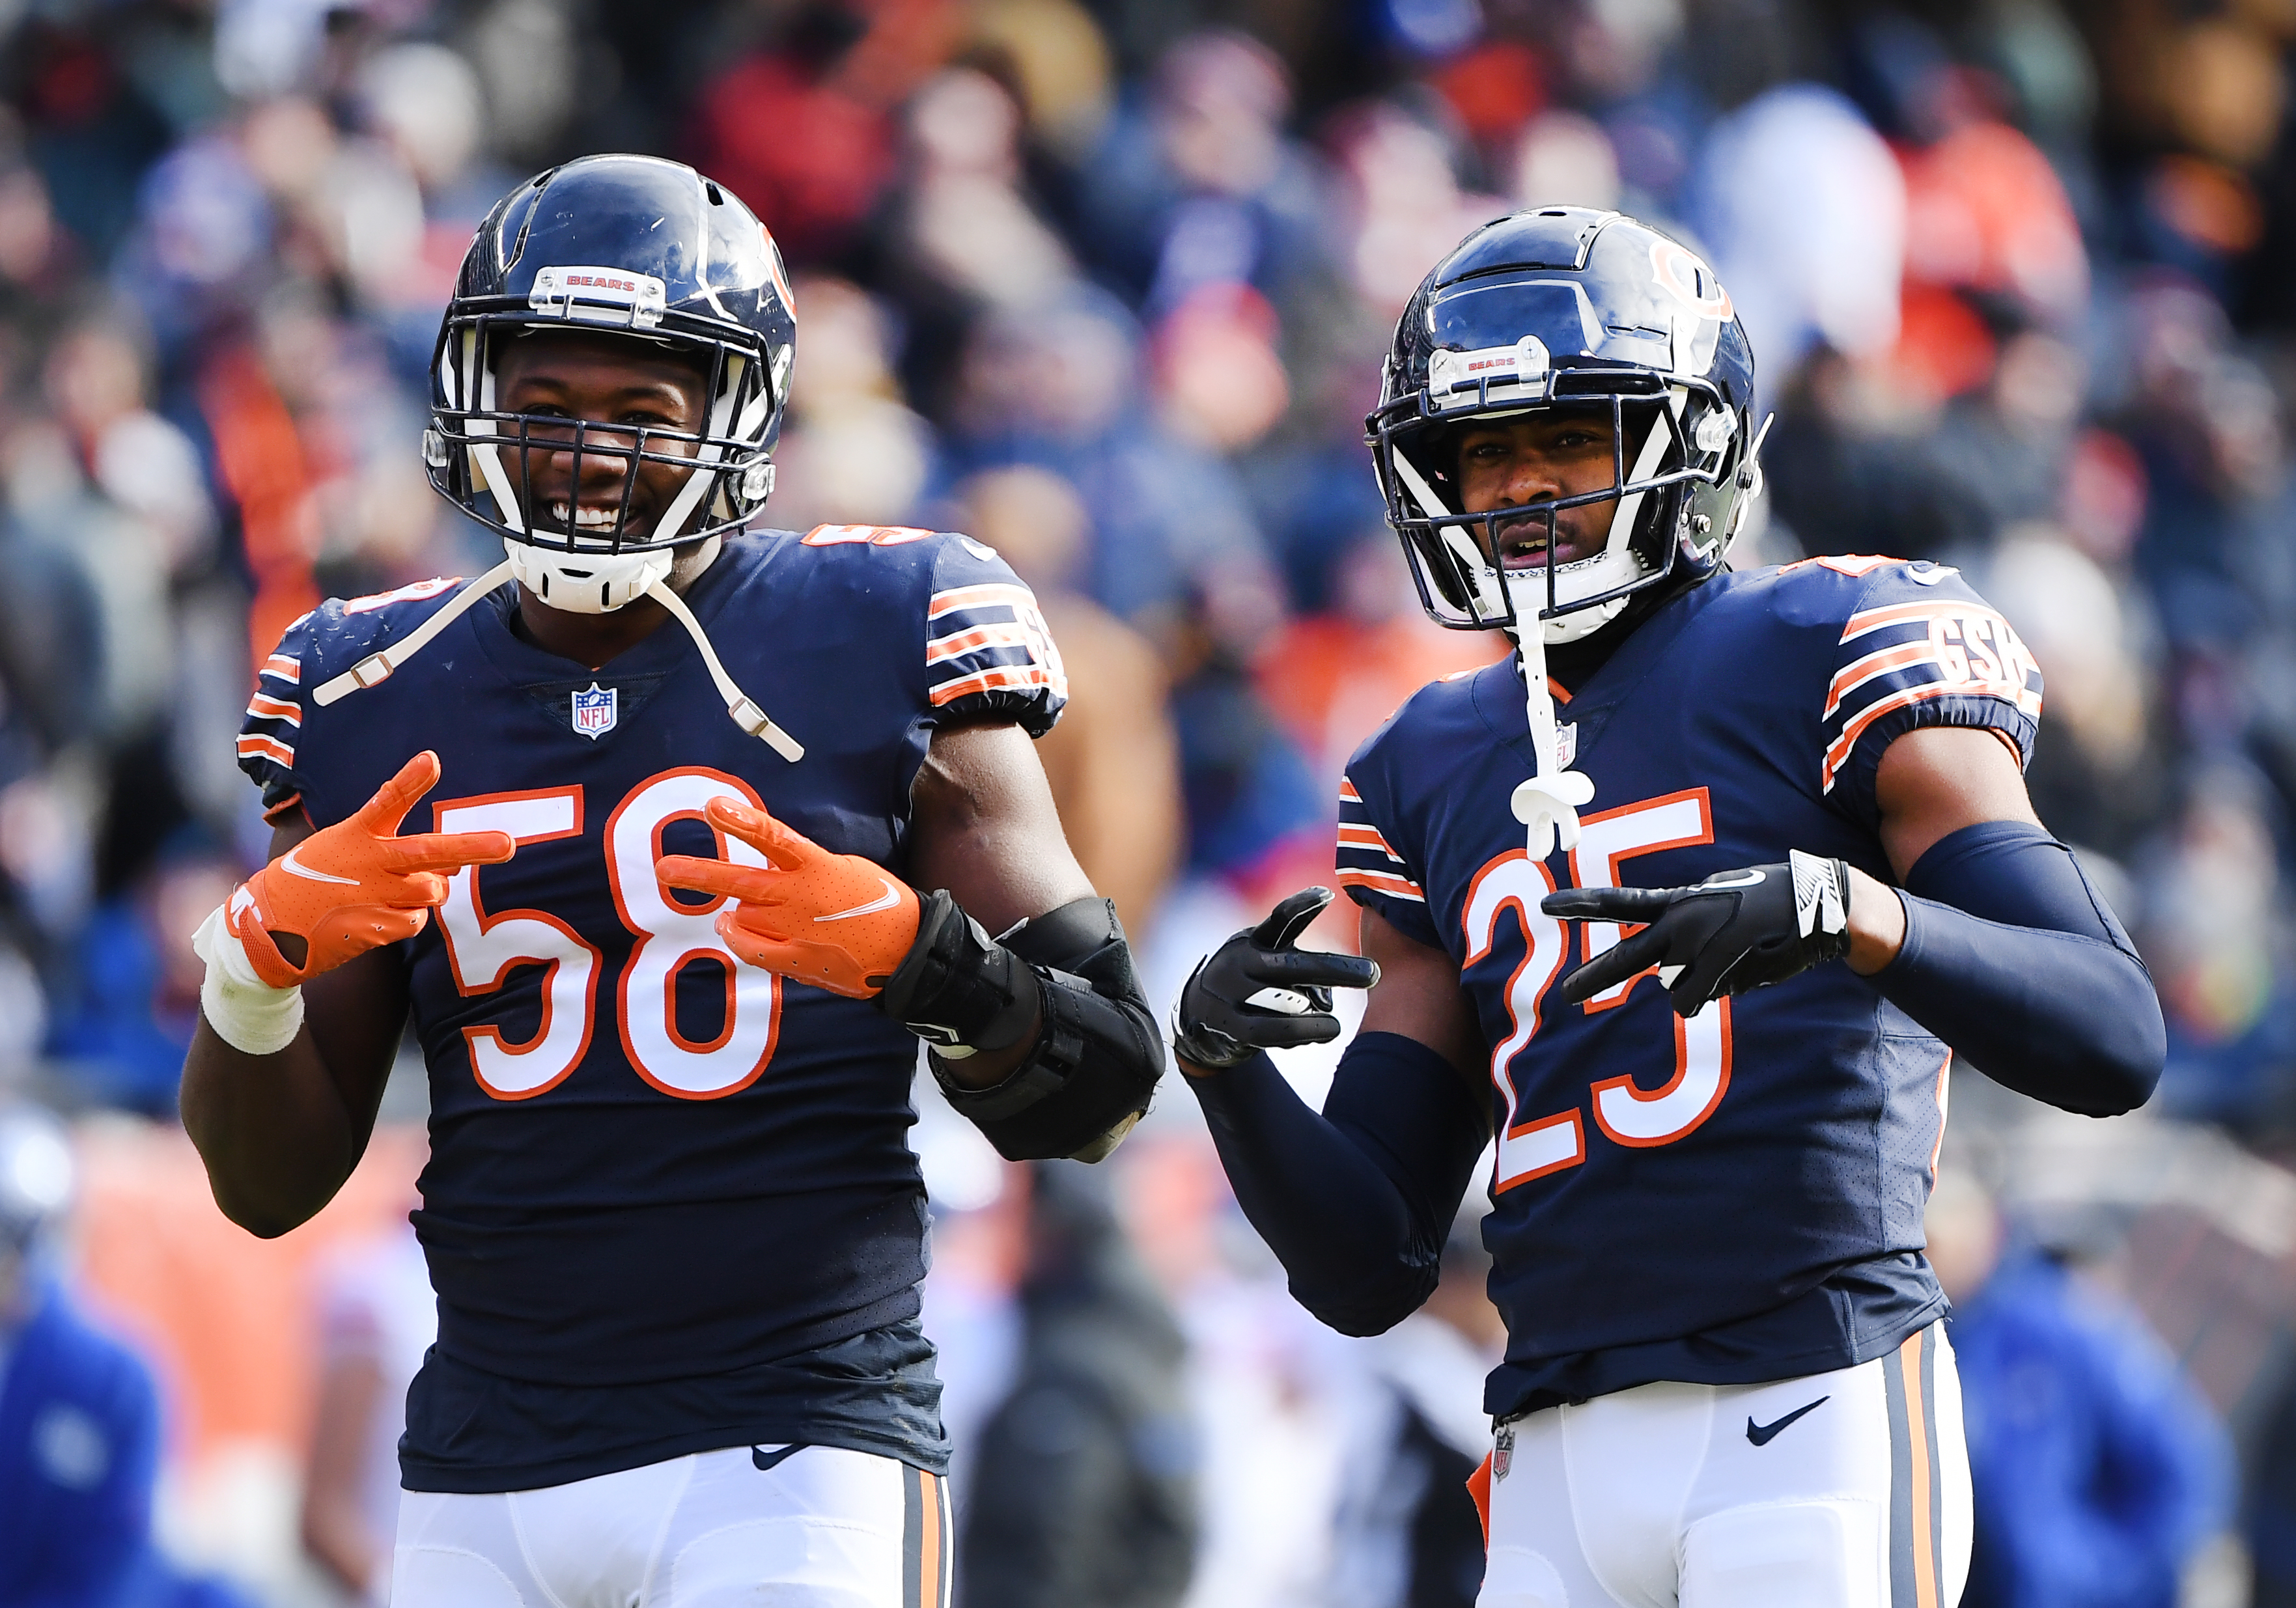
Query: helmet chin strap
(1548, 804)
(376, 668)
(739, 704)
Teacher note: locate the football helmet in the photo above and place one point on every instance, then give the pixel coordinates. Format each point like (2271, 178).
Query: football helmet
(645, 249)
(1568, 307)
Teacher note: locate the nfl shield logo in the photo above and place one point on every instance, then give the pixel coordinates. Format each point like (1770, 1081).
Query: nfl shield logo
(1502, 1451)
(594, 711)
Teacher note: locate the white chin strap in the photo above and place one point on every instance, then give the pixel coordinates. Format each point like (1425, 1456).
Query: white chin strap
(1548, 804)
(580, 583)
(597, 585)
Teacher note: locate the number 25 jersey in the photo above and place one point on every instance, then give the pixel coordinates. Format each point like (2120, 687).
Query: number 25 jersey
(651, 1164)
(1736, 1197)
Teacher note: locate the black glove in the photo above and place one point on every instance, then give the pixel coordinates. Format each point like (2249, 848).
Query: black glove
(1215, 1025)
(1734, 931)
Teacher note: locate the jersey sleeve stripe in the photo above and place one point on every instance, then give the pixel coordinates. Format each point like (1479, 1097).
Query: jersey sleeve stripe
(1348, 793)
(1906, 614)
(288, 670)
(983, 596)
(263, 706)
(1882, 662)
(255, 744)
(1383, 882)
(1003, 677)
(1838, 753)
(958, 643)
(1354, 836)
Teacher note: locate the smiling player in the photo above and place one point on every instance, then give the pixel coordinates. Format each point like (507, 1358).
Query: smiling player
(668, 955)
(1688, 908)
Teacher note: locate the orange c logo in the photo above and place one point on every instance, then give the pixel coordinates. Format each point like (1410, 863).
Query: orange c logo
(1681, 275)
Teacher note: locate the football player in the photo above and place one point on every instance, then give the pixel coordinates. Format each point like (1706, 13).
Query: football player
(1689, 908)
(668, 954)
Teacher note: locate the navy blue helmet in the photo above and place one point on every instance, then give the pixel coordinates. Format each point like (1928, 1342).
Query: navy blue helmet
(1568, 307)
(652, 251)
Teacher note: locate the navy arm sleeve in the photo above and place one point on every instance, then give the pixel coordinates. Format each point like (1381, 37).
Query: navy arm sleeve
(1356, 1203)
(2013, 959)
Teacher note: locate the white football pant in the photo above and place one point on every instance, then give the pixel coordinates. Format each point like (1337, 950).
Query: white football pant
(1848, 1490)
(818, 1528)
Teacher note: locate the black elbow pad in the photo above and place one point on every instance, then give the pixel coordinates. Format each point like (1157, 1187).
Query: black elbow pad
(1097, 1054)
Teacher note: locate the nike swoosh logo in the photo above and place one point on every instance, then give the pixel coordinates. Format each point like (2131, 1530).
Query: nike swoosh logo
(892, 897)
(299, 868)
(1734, 879)
(1762, 1434)
(771, 1460)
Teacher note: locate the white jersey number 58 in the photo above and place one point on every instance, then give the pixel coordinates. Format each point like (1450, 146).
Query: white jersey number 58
(482, 947)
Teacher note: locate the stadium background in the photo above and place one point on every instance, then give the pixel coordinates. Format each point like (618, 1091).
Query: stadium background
(1106, 282)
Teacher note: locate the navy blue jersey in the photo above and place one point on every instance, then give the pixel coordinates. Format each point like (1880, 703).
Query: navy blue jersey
(1737, 1197)
(653, 1170)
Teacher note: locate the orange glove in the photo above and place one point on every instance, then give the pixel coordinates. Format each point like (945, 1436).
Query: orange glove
(357, 885)
(837, 921)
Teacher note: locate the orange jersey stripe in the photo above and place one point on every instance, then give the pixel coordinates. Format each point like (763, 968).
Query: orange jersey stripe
(1906, 614)
(991, 680)
(283, 667)
(262, 706)
(1838, 752)
(1383, 882)
(987, 595)
(256, 746)
(959, 643)
(1859, 672)
(1355, 836)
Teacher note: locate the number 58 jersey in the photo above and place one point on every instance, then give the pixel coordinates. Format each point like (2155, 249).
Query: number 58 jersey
(652, 1167)
(1736, 1197)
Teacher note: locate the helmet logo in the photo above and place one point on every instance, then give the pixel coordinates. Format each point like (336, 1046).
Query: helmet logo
(1688, 281)
(599, 296)
(1463, 380)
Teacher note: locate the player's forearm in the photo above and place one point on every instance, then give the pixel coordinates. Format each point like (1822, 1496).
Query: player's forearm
(987, 1068)
(274, 1130)
(2012, 959)
(1071, 1084)
(1356, 1201)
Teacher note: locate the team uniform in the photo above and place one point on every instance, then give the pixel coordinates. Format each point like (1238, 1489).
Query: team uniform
(671, 1213)
(1730, 1200)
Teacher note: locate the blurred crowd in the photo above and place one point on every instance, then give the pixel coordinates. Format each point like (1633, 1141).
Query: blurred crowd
(1107, 283)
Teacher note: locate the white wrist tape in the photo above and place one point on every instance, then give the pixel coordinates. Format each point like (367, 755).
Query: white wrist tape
(246, 1012)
